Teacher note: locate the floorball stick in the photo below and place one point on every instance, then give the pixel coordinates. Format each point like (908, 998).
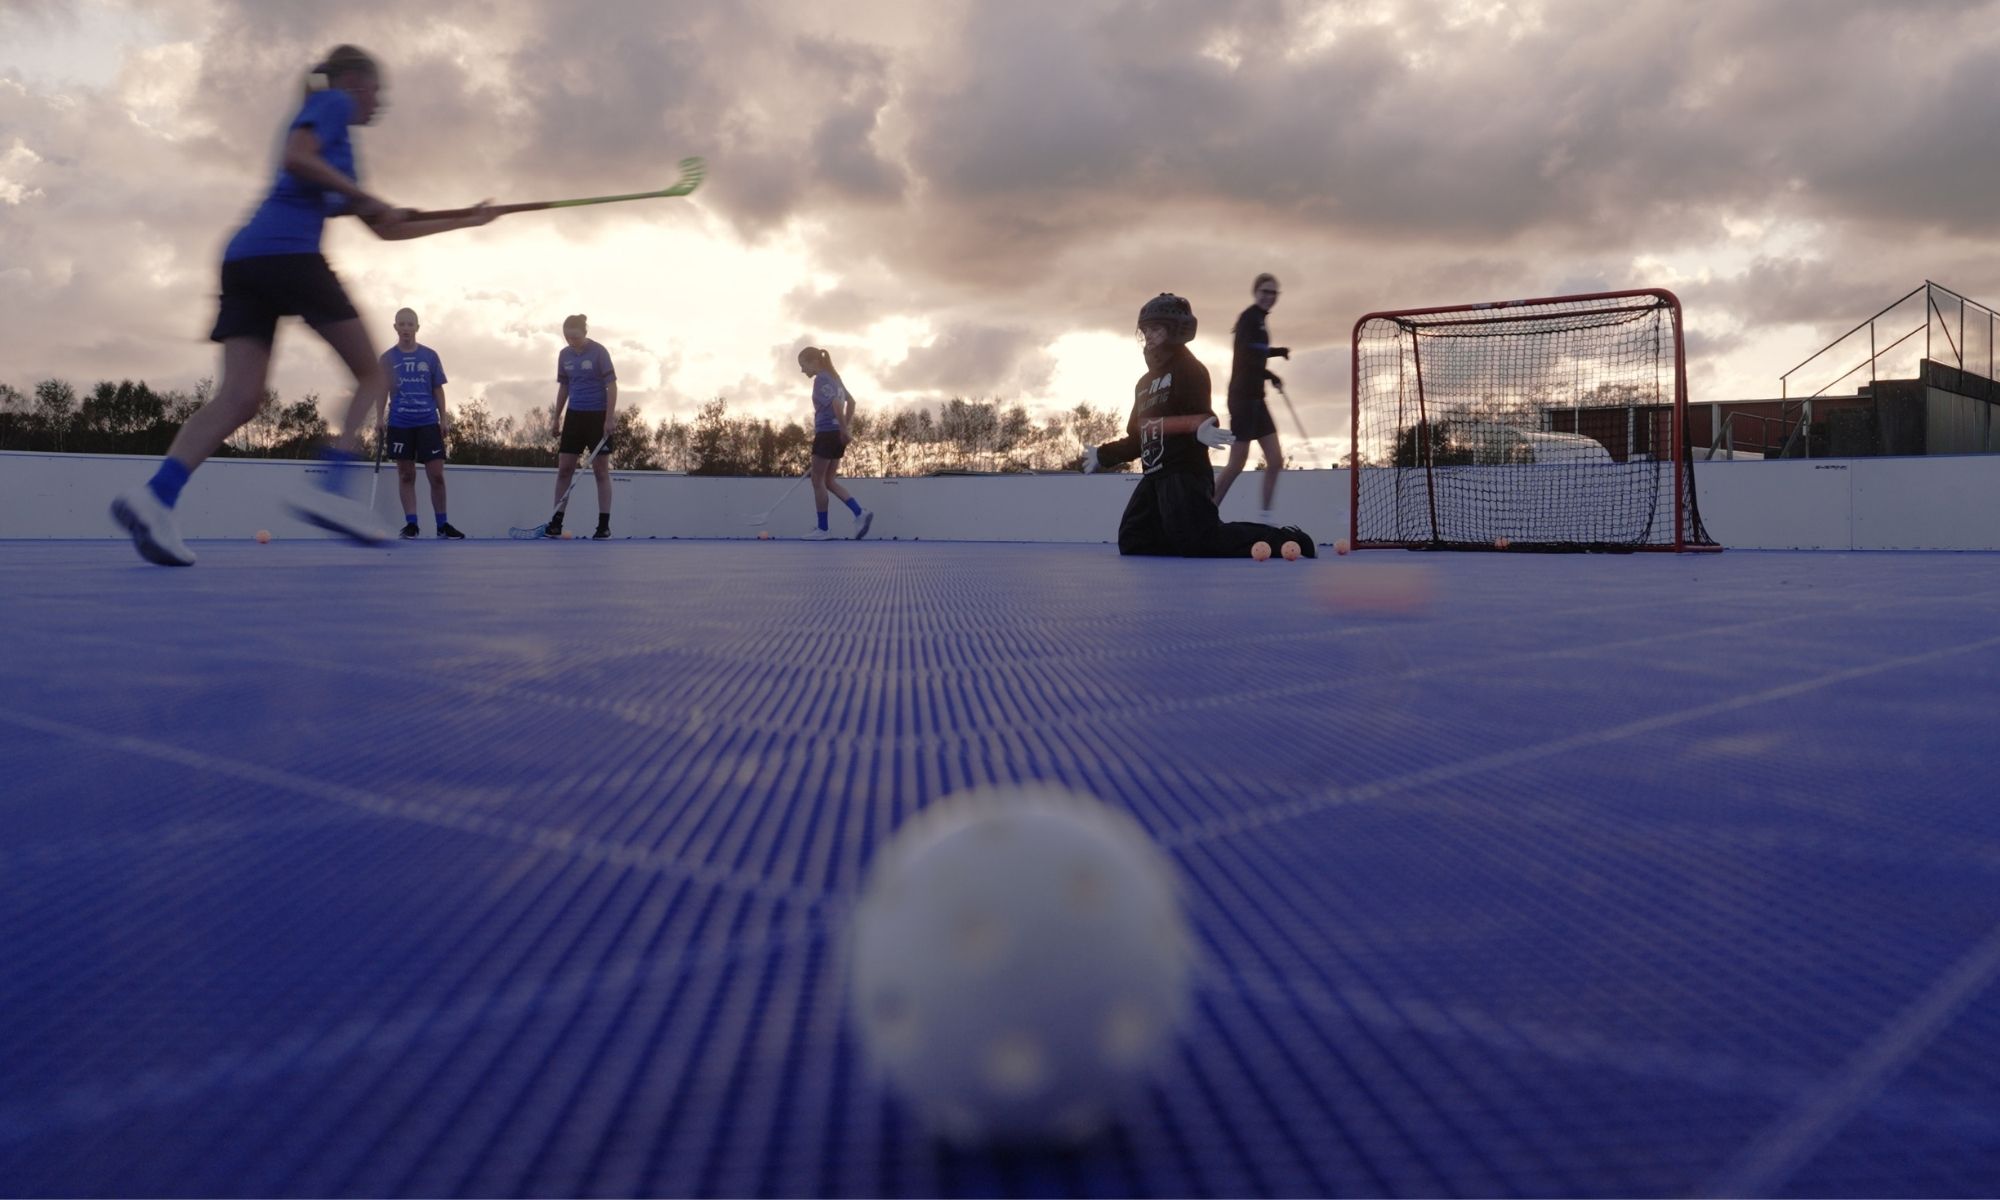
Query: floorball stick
(764, 516)
(1298, 425)
(693, 171)
(523, 533)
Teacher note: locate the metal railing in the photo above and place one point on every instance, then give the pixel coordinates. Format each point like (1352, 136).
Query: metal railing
(1792, 430)
(1945, 315)
(1944, 319)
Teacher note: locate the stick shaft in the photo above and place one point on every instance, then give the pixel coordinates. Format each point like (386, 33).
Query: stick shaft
(766, 515)
(693, 171)
(582, 465)
(450, 214)
(1298, 424)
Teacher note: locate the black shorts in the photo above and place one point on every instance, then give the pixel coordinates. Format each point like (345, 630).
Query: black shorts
(827, 444)
(414, 443)
(257, 291)
(1250, 418)
(580, 432)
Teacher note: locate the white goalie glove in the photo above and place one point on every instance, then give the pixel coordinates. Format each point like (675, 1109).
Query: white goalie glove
(1090, 464)
(1210, 434)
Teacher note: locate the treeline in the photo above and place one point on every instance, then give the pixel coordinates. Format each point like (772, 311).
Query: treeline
(954, 435)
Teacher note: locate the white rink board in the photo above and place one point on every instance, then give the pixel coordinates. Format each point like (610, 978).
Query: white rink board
(1827, 504)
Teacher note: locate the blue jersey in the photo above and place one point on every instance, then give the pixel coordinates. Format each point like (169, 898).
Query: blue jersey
(585, 371)
(413, 375)
(827, 398)
(290, 219)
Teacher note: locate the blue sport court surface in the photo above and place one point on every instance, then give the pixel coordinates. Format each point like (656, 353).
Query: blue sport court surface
(523, 869)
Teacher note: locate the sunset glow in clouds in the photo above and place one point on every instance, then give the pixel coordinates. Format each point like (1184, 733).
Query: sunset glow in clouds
(975, 198)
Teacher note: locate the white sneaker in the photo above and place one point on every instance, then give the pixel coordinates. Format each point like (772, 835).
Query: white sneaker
(335, 513)
(862, 522)
(818, 535)
(152, 526)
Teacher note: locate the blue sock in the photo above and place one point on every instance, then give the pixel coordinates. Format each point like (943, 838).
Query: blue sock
(409, 518)
(340, 472)
(440, 518)
(822, 518)
(168, 481)
(854, 506)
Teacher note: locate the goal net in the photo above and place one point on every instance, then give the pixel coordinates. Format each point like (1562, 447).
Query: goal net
(1550, 424)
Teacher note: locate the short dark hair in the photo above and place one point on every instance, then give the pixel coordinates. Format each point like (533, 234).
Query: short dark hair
(1263, 279)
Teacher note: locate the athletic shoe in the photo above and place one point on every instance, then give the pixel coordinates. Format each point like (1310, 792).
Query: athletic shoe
(554, 529)
(335, 513)
(602, 535)
(1294, 534)
(862, 522)
(410, 530)
(152, 526)
(447, 531)
(818, 535)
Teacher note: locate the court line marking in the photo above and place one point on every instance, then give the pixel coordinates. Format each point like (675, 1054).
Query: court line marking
(391, 1032)
(1576, 1047)
(1259, 818)
(1774, 1155)
(558, 841)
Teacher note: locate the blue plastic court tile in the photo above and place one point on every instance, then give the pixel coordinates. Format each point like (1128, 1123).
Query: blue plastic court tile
(524, 868)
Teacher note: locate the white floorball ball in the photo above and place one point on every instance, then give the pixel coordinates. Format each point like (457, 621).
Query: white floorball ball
(1019, 964)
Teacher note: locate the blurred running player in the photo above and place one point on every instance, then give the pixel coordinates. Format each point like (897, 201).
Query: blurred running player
(273, 268)
(1249, 416)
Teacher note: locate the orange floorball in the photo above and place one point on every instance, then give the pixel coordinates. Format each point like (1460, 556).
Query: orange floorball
(1290, 550)
(263, 537)
(1261, 551)
(1341, 546)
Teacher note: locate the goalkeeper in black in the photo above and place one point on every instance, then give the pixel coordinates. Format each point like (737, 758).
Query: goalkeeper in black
(1170, 432)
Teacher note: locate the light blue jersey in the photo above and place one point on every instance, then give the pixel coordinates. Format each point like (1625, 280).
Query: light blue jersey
(413, 376)
(828, 396)
(585, 371)
(293, 215)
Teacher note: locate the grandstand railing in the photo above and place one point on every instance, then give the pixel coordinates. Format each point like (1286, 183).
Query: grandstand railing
(1967, 330)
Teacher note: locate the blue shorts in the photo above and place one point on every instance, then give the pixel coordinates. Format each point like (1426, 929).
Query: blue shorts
(414, 443)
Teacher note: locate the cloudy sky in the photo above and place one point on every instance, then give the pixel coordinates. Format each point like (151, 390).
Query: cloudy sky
(973, 197)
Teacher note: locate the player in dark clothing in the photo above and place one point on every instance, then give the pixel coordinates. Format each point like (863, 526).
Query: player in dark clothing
(1170, 432)
(1249, 417)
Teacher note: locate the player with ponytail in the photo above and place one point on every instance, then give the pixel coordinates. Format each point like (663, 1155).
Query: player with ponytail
(273, 268)
(833, 420)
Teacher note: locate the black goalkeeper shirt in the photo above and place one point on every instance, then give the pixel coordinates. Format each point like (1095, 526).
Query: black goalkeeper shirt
(1179, 388)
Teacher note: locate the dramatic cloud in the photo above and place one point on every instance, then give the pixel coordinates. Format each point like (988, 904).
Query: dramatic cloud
(973, 197)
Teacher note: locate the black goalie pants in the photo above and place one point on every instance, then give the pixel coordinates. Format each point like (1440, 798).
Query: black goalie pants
(1173, 513)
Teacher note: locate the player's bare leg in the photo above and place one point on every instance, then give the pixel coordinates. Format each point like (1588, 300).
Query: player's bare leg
(1239, 456)
(1274, 462)
(246, 363)
(600, 469)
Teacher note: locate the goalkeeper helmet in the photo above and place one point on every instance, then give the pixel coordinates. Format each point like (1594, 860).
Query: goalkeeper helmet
(1173, 312)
